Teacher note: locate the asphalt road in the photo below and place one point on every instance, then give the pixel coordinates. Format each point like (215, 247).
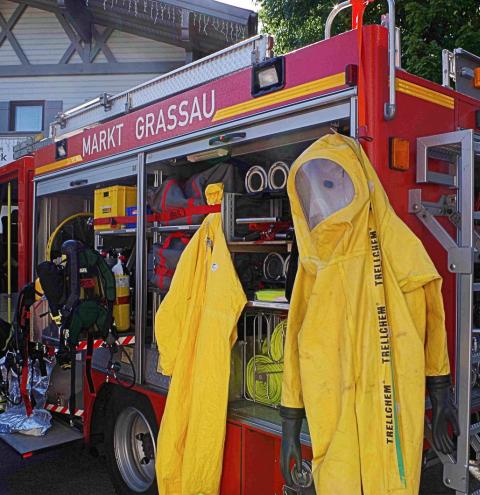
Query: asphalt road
(71, 470)
(68, 470)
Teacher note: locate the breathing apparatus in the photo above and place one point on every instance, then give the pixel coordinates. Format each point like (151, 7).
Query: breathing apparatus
(81, 293)
(16, 350)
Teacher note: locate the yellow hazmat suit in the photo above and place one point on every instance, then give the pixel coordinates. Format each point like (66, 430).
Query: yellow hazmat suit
(195, 327)
(366, 324)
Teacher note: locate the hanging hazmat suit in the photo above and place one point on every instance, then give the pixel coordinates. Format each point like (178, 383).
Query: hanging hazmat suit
(366, 325)
(195, 327)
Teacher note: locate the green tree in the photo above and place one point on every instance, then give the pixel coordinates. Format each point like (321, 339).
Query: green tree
(427, 26)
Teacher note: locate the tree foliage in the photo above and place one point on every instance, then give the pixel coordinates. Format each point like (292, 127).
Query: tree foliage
(427, 26)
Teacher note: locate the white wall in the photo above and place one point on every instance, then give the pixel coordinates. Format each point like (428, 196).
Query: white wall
(43, 40)
(41, 36)
(71, 89)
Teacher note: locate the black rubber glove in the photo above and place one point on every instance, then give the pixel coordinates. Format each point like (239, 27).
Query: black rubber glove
(443, 412)
(292, 419)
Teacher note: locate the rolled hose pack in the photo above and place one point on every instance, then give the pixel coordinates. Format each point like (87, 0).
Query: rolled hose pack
(256, 179)
(278, 175)
(274, 266)
(267, 391)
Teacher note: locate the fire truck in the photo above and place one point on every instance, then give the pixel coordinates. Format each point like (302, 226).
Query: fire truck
(246, 104)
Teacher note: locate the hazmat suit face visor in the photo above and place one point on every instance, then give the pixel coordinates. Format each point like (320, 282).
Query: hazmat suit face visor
(323, 187)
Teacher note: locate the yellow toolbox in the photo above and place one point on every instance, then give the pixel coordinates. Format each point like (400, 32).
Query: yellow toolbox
(113, 202)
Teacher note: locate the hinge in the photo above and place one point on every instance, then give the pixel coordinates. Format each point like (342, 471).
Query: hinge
(448, 68)
(61, 120)
(128, 103)
(460, 259)
(106, 101)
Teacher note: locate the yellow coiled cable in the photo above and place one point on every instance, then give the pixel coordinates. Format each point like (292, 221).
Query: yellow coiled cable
(264, 371)
(264, 380)
(276, 342)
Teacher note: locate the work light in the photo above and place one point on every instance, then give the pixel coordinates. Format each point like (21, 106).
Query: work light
(268, 76)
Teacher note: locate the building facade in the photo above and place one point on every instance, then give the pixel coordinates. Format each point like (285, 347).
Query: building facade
(57, 54)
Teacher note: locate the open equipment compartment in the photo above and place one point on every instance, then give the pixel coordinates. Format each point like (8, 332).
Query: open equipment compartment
(64, 209)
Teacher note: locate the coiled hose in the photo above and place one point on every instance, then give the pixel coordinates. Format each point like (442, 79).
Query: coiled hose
(276, 342)
(266, 389)
(264, 371)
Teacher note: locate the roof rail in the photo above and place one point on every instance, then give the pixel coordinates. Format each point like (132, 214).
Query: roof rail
(107, 107)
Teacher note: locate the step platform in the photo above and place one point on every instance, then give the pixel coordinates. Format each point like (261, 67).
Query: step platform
(58, 434)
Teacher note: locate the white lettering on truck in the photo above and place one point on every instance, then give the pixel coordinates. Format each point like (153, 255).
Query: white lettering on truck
(105, 140)
(169, 118)
(152, 124)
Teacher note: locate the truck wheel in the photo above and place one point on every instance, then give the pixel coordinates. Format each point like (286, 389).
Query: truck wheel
(130, 441)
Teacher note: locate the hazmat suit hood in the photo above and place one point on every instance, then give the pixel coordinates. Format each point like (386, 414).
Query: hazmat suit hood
(331, 192)
(365, 326)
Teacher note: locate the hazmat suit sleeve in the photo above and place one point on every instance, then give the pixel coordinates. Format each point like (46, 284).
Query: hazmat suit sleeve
(422, 288)
(170, 319)
(436, 351)
(291, 385)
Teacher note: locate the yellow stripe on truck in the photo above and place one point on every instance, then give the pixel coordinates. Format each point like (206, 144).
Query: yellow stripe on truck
(50, 167)
(425, 94)
(281, 96)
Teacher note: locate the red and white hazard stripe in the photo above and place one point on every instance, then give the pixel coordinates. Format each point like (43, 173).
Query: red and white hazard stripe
(63, 410)
(127, 340)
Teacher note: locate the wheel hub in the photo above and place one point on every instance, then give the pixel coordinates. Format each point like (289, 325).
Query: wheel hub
(134, 447)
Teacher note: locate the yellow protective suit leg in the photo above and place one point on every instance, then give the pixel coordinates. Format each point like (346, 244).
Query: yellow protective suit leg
(366, 325)
(195, 327)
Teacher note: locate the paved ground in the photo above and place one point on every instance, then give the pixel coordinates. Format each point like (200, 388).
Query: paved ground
(71, 470)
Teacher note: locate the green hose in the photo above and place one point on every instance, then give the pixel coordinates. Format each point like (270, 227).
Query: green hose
(264, 380)
(276, 342)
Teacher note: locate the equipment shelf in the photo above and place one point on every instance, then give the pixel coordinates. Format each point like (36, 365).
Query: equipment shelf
(175, 228)
(268, 305)
(260, 247)
(124, 232)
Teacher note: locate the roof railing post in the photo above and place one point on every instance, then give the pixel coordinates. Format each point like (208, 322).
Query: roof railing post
(390, 108)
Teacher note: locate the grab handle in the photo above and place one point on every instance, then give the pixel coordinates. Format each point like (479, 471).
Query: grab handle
(390, 107)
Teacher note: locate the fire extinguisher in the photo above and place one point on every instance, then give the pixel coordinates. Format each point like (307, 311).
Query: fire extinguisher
(121, 308)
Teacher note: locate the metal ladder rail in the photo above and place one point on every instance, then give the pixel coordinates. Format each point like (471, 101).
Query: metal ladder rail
(231, 59)
(457, 149)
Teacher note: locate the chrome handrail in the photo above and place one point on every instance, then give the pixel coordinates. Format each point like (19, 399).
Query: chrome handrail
(331, 17)
(390, 106)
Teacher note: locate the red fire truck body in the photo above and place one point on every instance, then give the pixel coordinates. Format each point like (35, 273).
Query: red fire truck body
(18, 175)
(332, 83)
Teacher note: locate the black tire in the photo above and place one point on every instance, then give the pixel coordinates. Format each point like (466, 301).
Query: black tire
(123, 458)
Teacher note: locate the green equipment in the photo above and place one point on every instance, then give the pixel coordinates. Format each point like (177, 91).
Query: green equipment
(81, 295)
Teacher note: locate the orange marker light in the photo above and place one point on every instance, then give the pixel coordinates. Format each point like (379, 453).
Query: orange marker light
(399, 153)
(476, 78)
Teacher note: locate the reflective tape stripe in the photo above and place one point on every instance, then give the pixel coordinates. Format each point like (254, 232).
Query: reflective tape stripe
(425, 94)
(284, 95)
(127, 340)
(64, 410)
